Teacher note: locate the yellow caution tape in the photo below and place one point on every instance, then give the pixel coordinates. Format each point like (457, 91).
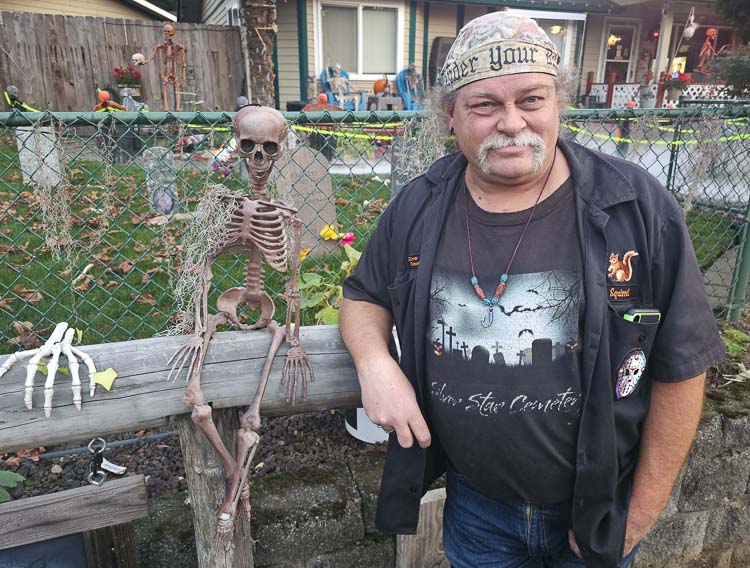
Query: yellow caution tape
(342, 134)
(655, 142)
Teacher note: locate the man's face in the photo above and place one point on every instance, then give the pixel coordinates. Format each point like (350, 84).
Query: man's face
(507, 126)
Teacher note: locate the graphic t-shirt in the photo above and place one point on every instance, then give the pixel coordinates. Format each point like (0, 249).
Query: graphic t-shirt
(504, 399)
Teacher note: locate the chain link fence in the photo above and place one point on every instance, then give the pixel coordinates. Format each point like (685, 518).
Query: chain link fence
(95, 208)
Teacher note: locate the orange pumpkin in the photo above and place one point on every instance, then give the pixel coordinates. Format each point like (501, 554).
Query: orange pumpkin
(379, 86)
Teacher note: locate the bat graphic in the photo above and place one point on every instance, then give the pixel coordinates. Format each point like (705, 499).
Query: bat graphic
(520, 333)
(461, 305)
(532, 291)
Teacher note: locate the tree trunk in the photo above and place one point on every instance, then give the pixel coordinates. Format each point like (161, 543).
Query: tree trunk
(258, 35)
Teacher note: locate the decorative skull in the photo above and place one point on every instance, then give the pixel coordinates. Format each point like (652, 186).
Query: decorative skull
(138, 59)
(169, 31)
(260, 133)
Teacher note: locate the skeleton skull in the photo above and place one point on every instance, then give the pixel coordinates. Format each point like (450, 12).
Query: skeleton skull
(169, 31)
(138, 59)
(260, 133)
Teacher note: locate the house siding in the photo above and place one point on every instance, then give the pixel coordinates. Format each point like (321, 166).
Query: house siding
(287, 49)
(214, 12)
(100, 8)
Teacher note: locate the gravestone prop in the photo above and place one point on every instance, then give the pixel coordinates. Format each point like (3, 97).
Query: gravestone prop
(39, 156)
(303, 177)
(161, 179)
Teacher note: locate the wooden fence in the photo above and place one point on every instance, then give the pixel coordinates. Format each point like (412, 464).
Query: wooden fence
(57, 62)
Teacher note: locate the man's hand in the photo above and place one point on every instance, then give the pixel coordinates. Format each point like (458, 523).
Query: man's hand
(640, 522)
(389, 400)
(387, 395)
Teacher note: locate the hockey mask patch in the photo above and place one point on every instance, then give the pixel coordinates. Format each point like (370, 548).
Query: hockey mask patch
(629, 373)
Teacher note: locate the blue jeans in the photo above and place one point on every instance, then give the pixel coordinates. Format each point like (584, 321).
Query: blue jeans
(480, 531)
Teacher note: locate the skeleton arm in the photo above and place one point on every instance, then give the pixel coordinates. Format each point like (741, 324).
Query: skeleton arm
(297, 362)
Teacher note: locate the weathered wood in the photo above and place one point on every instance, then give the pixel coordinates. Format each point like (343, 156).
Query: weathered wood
(425, 549)
(111, 547)
(73, 511)
(142, 397)
(206, 486)
(58, 61)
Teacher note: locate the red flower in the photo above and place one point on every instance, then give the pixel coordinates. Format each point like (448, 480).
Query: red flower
(117, 69)
(137, 75)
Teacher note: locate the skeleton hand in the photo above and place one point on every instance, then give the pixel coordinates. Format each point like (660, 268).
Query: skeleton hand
(297, 364)
(60, 342)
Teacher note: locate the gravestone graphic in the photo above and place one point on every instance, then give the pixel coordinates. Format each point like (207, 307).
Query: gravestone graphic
(161, 179)
(302, 177)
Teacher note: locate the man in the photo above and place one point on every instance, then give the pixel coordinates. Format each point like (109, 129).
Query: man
(552, 321)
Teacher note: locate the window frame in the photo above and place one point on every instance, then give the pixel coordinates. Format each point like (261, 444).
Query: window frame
(354, 74)
(567, 57)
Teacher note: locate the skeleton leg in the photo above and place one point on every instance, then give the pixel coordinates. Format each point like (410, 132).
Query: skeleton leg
(247, 444)
(44, 351)
(164, 98)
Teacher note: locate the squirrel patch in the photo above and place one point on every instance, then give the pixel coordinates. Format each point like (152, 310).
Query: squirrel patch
(620, 270)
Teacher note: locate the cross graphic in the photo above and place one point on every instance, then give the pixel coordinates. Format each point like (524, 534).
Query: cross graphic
(451, 334)
(520, 357)
(442, 322)
(497, 347)
(464, 346)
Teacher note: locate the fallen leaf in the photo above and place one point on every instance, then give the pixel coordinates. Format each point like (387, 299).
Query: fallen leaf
(105, 378)
(22, 326)
(144, 299)
(124, 267)
(111, 284)
(139, 434)
(31, 296)
(5, 303)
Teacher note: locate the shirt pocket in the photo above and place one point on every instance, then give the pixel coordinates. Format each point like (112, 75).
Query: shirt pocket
(630, 347)
(401, 295)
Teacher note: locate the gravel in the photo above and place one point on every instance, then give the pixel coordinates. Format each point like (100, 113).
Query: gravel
(288, 443)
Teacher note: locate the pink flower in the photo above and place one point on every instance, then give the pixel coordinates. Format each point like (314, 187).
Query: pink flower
(347, 239)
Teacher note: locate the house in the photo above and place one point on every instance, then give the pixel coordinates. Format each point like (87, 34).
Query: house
(630, 38)
(129, 9)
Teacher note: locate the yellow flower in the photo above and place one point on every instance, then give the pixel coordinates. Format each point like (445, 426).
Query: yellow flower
(303, 254)
(328, 233)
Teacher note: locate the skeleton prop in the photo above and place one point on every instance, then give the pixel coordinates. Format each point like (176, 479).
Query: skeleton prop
(256, 228)
(59, 343)
(174, 61)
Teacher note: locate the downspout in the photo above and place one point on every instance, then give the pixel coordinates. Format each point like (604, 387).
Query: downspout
(460, 15)
(413, 31)
(426, 42)
(276, 93)
(302, 47)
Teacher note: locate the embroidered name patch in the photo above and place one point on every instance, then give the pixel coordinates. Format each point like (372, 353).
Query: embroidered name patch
(413, 261)
(622, 293)
(629, 373)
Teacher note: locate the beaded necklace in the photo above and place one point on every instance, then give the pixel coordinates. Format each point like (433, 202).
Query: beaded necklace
(500, 290)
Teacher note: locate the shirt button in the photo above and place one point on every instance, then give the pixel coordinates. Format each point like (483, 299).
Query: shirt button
(397, 302)
(413, 488)
(641, 338)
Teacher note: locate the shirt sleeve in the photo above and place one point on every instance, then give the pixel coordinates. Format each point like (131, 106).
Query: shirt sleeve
(370, 279)
(687, 342)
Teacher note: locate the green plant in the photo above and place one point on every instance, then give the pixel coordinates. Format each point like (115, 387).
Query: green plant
(734, 70)
(735, 341)
(323, 289)
(8, 479)
(680, 82)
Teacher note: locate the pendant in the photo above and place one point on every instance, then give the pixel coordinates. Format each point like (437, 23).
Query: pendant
(489, 318)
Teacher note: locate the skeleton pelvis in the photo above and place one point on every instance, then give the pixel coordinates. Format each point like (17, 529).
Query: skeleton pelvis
(230, 300)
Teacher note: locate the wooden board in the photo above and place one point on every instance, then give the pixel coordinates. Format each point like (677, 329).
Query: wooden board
(425, 549)
(68, 512)
(142, 397)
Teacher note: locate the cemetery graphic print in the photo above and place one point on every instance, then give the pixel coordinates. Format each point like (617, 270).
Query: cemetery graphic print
(526, 362)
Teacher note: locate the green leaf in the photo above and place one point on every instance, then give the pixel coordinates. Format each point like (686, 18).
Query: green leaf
(309, 279)
(10, 479)
(4, 495)
(737, 335)
(311, 300)
(353, 255)
(328, 316)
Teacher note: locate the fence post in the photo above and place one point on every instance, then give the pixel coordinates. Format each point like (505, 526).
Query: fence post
(207, 487)
(741, 274)
(674, 149)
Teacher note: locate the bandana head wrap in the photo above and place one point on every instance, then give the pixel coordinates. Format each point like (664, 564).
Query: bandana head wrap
(498, 44)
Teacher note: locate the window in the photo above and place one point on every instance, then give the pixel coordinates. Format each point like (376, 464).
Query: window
(366, 40)
(562, 29)
(620, 52)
